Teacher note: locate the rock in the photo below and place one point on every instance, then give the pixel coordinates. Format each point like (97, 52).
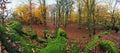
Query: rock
(5, 51)
(13, 45)
(8, 41)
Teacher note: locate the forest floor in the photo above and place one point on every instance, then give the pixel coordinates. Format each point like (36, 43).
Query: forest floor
(77, 33)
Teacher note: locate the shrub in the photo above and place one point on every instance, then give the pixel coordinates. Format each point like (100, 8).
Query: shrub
(14, 36)
(116, 28)
(90, 45)
(7, 46)
(45, 33)
(61, 32)
(49, 39)
(83, 36)
(74, 48)
(106, 33)
(28, 46)
(15, 25)
(41, 40)
(56, 46)
(2, 29)
(108, 46)
(31, 33)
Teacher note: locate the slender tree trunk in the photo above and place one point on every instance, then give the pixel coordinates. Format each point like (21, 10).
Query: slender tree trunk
(44, 18)
(66, 19)
(94, 26)
(113, 20)
(3, 17)
(89, 26)
(30, 13)
(79, 20)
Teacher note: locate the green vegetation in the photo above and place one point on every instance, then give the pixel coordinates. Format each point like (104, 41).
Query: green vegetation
(61, 32)
(91, 44)
(91, 24)
(12, 36)
(108, 46)
(74, 48)
(55, 46)
(15, 25)
(31, 33)
(106, 33)
(2, 28)
(83, 36)
(41, 40)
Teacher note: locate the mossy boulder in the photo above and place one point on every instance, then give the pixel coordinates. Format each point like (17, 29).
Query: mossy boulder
(61, 32)
(108, 46)
(74, 48)
(31, 33)
(41, 40)
(15, 25)
(91, 44)
(56, 46)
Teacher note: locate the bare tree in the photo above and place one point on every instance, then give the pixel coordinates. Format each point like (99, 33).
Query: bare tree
(30, 12)
(90, 6)
(80, 6)
(44, 14)
(4, 13)
(64, 8)
(43, 11)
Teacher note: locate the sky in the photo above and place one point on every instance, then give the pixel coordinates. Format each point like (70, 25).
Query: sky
(15, 3)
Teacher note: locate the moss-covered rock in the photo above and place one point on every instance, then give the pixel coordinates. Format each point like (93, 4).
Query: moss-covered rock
(11, 35)
(108, 46)
(74, 48)
(91, 44)
(41, 40)
(15, 25)
(31, 33)
(56, 46)
(61, 32)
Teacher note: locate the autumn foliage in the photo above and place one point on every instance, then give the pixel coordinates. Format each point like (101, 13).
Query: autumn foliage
(22, 13)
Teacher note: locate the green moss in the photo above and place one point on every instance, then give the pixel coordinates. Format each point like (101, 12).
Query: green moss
(91, 44)
(108, 46)
(49, 39)
(61, 32)
(2, 29)
(15, 25)
(56, 46)
(14, 36)
(41, 40)
(83, 36)
(106, 33)
(45, 32)
(31, 33)
(74, 48)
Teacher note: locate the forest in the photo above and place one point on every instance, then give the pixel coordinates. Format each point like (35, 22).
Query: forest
(65, 26)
